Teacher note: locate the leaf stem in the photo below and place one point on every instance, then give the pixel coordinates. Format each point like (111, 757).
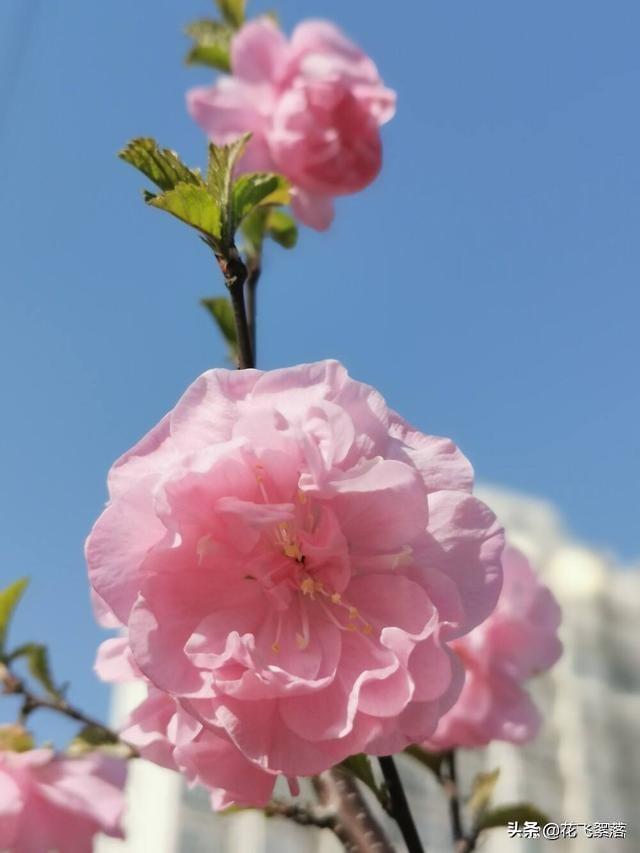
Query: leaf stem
(400, 806)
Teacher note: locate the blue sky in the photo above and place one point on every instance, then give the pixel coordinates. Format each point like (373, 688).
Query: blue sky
(487, 283)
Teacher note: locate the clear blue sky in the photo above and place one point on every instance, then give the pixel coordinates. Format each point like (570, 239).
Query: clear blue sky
(487, 283)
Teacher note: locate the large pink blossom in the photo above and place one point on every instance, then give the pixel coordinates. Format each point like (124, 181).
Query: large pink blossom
(290, 561)
(50, 802)
(314, 105)
(519, 640)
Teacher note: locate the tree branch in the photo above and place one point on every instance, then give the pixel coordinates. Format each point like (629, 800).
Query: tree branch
(354, 825)
(14, 686)
(400, 806)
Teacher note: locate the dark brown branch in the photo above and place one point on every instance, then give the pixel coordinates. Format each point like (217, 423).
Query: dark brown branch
(355, 825)
(400, 806)
(253, 277)
(235, 276)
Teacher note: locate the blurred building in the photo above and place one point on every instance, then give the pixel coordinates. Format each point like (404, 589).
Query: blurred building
(584, 766)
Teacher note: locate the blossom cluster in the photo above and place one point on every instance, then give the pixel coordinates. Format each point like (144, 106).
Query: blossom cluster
(313, 104)
(290, 562)
(50, 801)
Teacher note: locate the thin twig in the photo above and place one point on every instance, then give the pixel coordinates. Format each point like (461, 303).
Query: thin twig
(14, 686)
(448, 776)
(400, 806)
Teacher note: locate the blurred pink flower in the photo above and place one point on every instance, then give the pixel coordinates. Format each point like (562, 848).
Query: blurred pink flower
(290, 560)
(49, 802)
(314, 105)
(518, 641)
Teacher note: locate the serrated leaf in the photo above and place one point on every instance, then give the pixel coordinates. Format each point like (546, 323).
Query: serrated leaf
(212, 44)
(503, 815)
(432, 760)
(160, 165)
(220, 309)
(482, 790)
(222, 161)
(282, 228)
(15, 738)
(9, 598)
(192, 205)
(233, 11)
(256, 189)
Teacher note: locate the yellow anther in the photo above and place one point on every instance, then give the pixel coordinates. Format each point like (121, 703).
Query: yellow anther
(367, 629)
(336, 598)
(351, 627)
(292, 549)
(301, 642)
(275, 647)
(308, 586)
(353, 613)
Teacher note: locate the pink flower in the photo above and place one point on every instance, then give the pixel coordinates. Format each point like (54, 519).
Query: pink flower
(290, 560)
(518, 641)
(49, 802)
(314, 105)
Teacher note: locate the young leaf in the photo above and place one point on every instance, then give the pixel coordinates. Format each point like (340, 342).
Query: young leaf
(220, 309)
(257, 189)
(160, 165)
(482, 791)
(222, 161)
(37, 658)
(360, 767)
(432, 760)
(212, 44)
(9, 598)
(253, 228)
(503, 815)
(282, 228)
(233, 11)
(193, 205)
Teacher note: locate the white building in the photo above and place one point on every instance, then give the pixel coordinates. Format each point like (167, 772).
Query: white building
(583, 767)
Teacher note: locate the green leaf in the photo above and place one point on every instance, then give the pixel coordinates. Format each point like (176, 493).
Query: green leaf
(282, 228)
(160, 165)
(15, 738)
(220, 309)
(503, 815)
(91, 737)
(37, 658)
(482, 791)
(253, 228)
(9, 599)
(222, 161)
(233, 11)
(192, 205)
(212, 45)
(360, 766)
(432, 760)
(257, 189)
